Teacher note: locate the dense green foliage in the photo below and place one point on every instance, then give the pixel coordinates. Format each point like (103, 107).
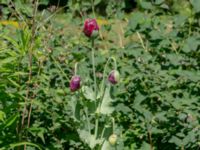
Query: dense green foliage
(155, 105)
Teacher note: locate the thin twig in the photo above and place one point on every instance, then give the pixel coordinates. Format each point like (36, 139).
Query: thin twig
(30, 65)
(93, 8)
(30, 57)
(150, 140)
(182, 147)
(48, 18)
(120, 35)
(59, 67)
(142, 42)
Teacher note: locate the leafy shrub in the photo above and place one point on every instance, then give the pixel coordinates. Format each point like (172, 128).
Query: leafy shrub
(163, 79)
(155, 105)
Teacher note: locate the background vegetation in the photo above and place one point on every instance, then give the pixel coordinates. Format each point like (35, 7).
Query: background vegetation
(156, 45)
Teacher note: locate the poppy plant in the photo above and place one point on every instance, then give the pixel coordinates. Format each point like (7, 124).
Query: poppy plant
(75, 83)
(113, 77)
(91, 28)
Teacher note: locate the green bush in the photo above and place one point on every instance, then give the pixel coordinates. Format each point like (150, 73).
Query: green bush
(162, 83)
(155, 105)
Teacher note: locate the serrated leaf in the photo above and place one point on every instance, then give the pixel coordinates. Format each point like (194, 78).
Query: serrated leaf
(176, 141)
(136, 19)
(196, 5)
(158, 2)
(43, 2)
(138, 100)
(88, 93)
(106, 146)
(96, 2)
(191, 44)
(88, 138)
(75, 108)
(145, 146)
(106, 105)
(39, 131)
(146, 5)
(123, 108)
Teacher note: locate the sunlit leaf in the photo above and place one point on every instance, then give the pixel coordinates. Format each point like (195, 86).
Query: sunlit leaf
(106, 105)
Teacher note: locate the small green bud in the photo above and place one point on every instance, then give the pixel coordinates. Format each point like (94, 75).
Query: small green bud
(112, 139)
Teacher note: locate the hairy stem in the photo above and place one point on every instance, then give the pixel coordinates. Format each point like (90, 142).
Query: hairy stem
(93, 69)
(93, 8)
(95, 89)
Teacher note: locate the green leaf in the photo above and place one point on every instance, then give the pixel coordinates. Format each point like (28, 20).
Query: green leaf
(38, 131)
(161, 117)
(156, 131)
(146, 5)
(123, 108)
(44, 2)
(14, 83)
(96, 2)
(10, 121)
(176, 141)
(158, 2)
(136, 19)
(12, 146)
(156, 35)
(88, 93)
(148, 115)
(2, 116)
(6, 61)
(165, 6)
(106, 105)
(4, 1)
(145, 146)
(179, 20)
(174, 58)
(191, 137)
(138, 100)
(196, 5)
(41, 135)
(106, 146)
(75, 108)
(88, 138)
(191, 44)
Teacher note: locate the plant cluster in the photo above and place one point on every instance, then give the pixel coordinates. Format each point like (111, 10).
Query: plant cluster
(131, 83)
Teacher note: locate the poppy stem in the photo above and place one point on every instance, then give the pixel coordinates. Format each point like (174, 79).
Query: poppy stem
(94, 71)
(95, 89)
(75, 69)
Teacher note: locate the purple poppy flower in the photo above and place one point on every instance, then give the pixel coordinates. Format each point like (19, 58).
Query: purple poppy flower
(113, 77)
(91, 28)
(75, 83)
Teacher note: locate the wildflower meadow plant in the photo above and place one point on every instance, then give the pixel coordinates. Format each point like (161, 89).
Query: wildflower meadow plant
(113, 77)
(99, 122)
(91, 28)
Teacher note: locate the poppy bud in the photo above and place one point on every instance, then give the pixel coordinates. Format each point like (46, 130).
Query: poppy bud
(113, 77)
(75, 83)
(112, 139)
(91, 28)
